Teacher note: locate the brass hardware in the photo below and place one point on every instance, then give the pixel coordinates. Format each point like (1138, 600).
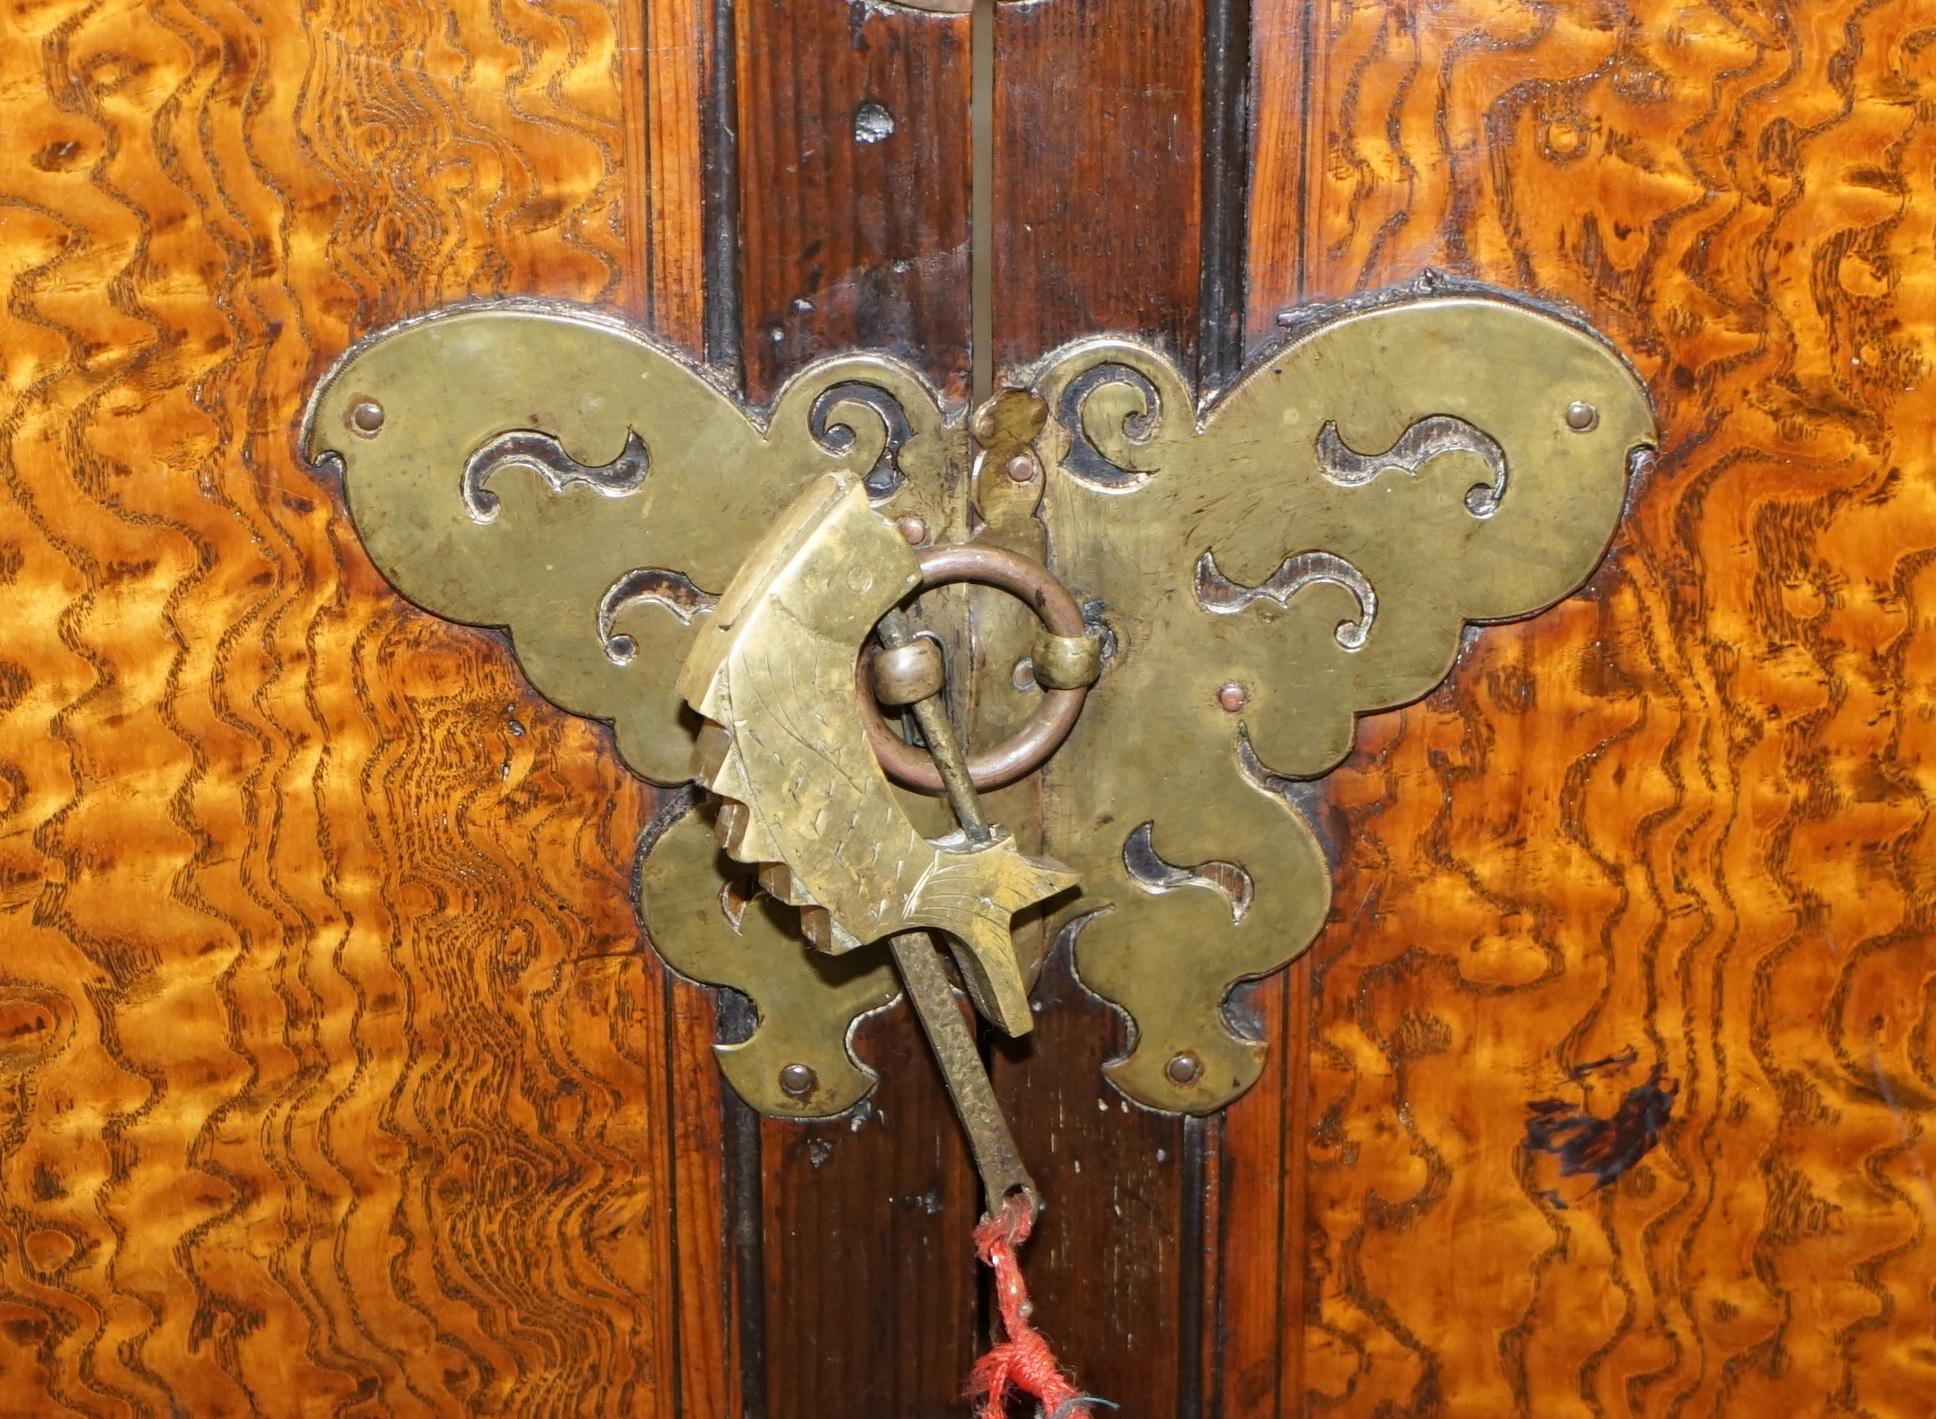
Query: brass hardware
(931, 715)
(1581, 417)
(366, 418)
(709, 920)
(797, 1080)
(773, 674)
(990, 1140)
(1029, 747)
(1066, 662)
(1251, 575)
(551, 472)
(971, 1092)
(1318, 539)
(907, 673)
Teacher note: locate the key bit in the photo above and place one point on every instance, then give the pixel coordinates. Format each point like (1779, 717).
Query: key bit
(806, 799)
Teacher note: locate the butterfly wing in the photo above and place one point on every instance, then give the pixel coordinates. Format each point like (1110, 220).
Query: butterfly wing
(1311, 548)
(557, 474)
(554, 473)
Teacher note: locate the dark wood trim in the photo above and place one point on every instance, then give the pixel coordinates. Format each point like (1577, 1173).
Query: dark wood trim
(1224, 245)
(719, 161)
(1195, 1283)
(745, 1214)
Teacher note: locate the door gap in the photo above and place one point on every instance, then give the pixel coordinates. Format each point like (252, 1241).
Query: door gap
(981, 232)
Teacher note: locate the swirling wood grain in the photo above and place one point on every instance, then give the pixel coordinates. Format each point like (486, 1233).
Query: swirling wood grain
(1686, 815)
(332, 1072)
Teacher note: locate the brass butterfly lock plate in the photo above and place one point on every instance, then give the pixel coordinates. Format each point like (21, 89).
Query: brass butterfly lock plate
(1255, 573)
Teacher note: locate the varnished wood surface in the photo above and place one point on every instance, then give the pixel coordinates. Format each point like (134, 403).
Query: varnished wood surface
(1098, 119)
(1098, 133)
(1681, 821)
(853, 154)
(333, 1077)
(853, 233)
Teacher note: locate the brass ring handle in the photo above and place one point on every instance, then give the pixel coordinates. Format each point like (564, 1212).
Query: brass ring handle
(1029, 747)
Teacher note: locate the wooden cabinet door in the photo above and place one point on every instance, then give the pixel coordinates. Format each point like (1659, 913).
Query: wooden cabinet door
(335, 1076)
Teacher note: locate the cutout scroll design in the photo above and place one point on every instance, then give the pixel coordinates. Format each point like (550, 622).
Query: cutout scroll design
(1476, 502)
(673, 592)
(526, 505)
(1155, 875)
(1260, 571)
(542, 454)
(1429, 438)
(1221, 596)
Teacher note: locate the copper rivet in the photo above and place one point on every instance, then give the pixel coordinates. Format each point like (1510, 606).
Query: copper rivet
(1581, 416)
(1183, 1068)
(1233, 697)
(797, 1080)
(367, 416)
(913, 529)
(1020, 466)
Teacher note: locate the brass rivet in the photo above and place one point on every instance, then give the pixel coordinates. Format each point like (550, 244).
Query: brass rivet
(1020, 467)
(1233, 697)
(1183, 1068)
(797, 1080)
(913, 530)
(1581, 416)
(366, 417)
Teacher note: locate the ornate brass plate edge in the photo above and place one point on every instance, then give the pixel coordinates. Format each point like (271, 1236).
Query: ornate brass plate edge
(548, 470)
(1309, 548)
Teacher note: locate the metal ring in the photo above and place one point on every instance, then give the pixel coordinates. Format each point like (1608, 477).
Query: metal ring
(1029, 747)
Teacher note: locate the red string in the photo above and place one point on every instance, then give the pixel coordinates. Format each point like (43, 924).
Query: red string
(1022, 1361)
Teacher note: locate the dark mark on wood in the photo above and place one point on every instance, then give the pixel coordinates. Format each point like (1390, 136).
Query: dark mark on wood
(1593, 1149)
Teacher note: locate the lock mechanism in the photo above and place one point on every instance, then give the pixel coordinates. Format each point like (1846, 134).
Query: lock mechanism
(803, 796)
(846, 632)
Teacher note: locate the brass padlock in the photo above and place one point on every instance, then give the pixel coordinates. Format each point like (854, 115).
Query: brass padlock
(785, 747)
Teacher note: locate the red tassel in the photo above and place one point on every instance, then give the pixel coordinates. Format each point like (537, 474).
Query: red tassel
(1022, 1361)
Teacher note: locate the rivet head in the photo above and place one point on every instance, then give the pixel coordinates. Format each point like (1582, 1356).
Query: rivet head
(1233, 697)
(797, 1080)
(1183, 1068)
(1581, 416)
(913, 530)
(1021, 466)
(366, 417)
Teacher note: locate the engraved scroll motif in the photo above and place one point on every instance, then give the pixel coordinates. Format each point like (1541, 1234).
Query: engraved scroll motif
(592, 493)
(1308, 549)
